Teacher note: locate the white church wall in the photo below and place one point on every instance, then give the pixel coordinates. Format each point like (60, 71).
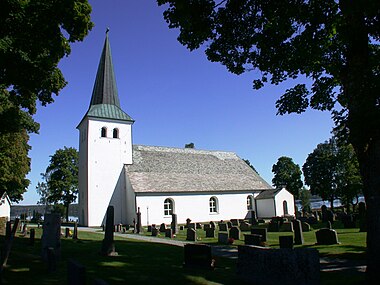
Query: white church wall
(193, 206)
(130, 202)
(108, 156)
(265, 208)
(5, 208)
(282, 196)
(83, 175)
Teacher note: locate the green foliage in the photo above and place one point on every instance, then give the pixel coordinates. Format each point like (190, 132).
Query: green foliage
(34, 36)
(287, 174)
(332, 171)
(61, 179)
(250, 165)
(305, 197)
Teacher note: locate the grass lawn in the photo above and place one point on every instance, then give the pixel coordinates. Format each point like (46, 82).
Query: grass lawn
(141, 262)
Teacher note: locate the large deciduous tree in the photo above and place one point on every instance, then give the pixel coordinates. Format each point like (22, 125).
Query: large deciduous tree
(34, 36)
(334, 44)
(287, 174)
(61, 179)
(332, 172)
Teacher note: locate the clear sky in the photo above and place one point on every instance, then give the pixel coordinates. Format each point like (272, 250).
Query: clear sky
(175, 96)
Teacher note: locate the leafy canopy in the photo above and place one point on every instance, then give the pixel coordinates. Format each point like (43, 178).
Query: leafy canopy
(287, 174)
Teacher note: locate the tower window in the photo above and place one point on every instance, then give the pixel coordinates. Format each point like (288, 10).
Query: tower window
(104, 132)
(213, 203)
(115, 133)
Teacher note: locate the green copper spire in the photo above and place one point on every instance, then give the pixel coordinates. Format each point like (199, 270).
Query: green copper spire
(105, 100)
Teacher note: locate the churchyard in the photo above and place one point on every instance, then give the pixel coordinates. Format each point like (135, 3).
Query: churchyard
(139, 262)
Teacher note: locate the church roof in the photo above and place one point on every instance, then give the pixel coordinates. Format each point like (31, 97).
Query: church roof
(105, 100)
(165, 169)
(268, 194)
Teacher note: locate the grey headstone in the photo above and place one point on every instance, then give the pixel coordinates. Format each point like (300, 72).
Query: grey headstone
(138, 223)
(149, 229)
(222, 227)
(223, 238)
(206, 226)
(298, 235)
(154, 232)
(234, 222)
(162, 228)
(286, 241)
(168, 233)
(51, 235)
(210, 233)
(326, 237)
(252, 239)
(32, 236)
(262, 266)
(212, 224)
(286, 227)
(260, 231)
(235, 233)
(75, 233)
(108, 246)
(305, 227)
(198, 256)
(174, 224)
(244, 226)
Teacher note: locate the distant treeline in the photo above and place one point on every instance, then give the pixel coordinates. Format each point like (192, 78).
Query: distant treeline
(17, 210)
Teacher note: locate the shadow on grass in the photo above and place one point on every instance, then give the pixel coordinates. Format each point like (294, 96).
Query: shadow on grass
(137, 263)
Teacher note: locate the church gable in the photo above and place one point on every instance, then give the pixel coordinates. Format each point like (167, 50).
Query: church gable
(164, 170)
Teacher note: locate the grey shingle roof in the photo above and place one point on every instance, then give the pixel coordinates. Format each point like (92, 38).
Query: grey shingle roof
(164, 169)
(267, 194)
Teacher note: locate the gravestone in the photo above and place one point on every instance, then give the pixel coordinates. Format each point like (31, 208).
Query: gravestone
(222, 227)
(212, 224)
(108, 246)
(252, 239)
(223, 238)
(188, 221)
(181, 228)
(174, 224)
(76, 273)
(258, 265)
(210, 233)
(206, 226)
(324, 217)
(149, 229)
(138, 223)
(235, 233)
(253, 218)
(8, 229)
(198, 226)
(234, 222)
(348, 221)
(162, 228)
(328, 225)
(362, 217)
(75, 234)
(32, 236)
(191, 226)
(326, 237)
(198, 256)
(229, 224)
(169, 233)
(154, 232)
(298, 235)
(191, 235)
(305, 227)
(67, 232)
(51, 235)
(286, 241)
(274, 226)
(287, 227)
(244, 226)
(260, 231)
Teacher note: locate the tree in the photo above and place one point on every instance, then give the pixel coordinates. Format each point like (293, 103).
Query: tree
(332, 172)
(305, 197)
(287, 174)
(34, 36)
(250, 165)
(61, 178)
(333, 44)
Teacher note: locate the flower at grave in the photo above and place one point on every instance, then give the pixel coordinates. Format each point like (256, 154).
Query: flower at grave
(230, 241)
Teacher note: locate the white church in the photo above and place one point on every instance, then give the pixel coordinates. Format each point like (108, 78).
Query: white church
(198, 184)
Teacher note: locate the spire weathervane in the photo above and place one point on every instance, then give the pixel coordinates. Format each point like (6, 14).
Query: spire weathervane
(107, 30)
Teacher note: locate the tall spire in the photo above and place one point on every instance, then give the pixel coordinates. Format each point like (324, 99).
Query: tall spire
(105, 90)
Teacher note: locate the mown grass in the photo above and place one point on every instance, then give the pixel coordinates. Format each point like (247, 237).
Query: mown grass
(141, 262)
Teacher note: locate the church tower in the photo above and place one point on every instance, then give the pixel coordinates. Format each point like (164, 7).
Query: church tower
(105, 146)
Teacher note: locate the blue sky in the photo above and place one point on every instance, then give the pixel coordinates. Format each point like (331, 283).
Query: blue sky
(174, 95)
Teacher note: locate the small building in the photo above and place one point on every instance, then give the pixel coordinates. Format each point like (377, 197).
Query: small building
(202, 185)
(5, 206)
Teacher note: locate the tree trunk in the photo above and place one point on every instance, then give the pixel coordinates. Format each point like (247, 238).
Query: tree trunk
(67, 212)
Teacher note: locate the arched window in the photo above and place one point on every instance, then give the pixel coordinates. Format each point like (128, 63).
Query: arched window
(104, 132)
(168, 207)
(115, 133)
(249, 202)
(213, 203)
(285, 206)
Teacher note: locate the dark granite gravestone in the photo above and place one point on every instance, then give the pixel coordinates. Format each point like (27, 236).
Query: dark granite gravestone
(206, 226)
(191, 226)
(287, 227)
(138, 223)
(191, 235)
(229, 224)
(75, 233)
(324, 213)
(348, 221)
(252, 239)
(174, 224)
(198, 256)
(235, 233)
(212, 224)
(210, 233)
(181, 228)
(305, 227)
(188, 221)
(362, 217)
(8, 229)
(108, 246)
(298, 235)
(76, 273)
(223, 238)
(259, 266)
(260, 231)
(198, 226)
(234, 222)
(326, 237)
(253, 218)
(162, 228)
(222, 227)
(286, 241)
(32, 236)
(154, 232)
(274, 226)
(51, 235)
(149, 229)
(244, 226)
(67, 232)
(169, 233)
